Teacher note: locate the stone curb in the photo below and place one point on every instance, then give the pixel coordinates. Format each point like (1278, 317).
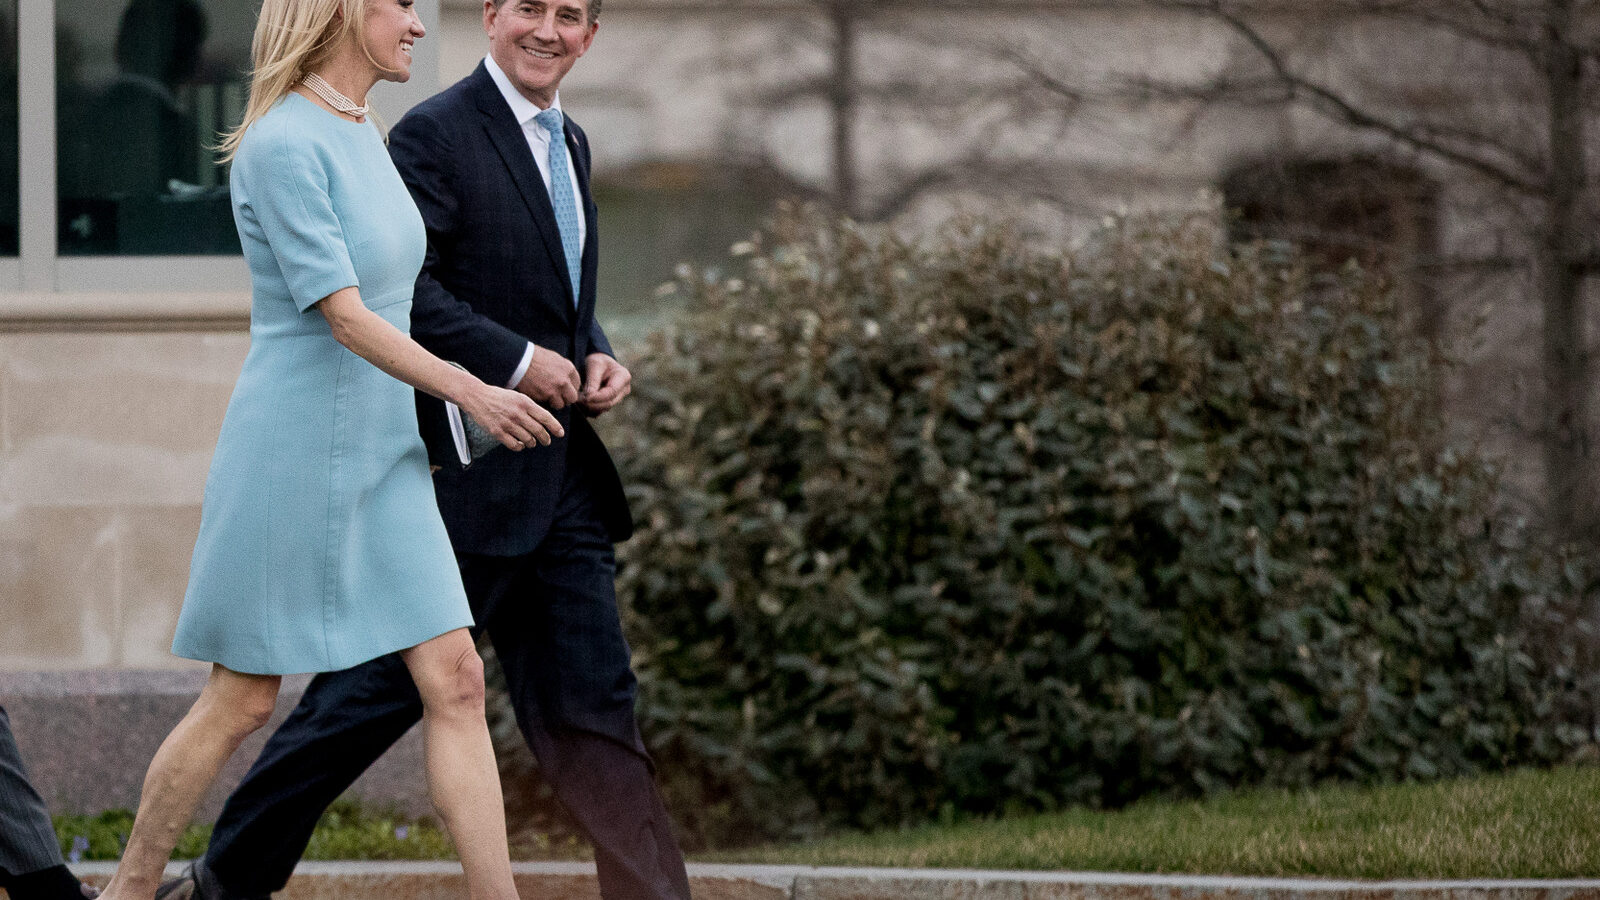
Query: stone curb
(576, 881)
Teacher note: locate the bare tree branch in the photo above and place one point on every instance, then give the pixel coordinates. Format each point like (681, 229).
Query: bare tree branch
(1340, 108)
(1486, 140)
(811, 87)
(1524, 43)
(898, 199)
(1075, 96)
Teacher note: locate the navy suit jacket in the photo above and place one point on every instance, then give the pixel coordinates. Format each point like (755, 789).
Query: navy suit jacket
(494, 278)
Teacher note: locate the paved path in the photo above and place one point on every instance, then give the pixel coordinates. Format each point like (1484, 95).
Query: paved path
(575, 881)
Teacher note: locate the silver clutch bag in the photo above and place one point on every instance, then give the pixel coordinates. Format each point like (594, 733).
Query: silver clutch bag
(472, 440)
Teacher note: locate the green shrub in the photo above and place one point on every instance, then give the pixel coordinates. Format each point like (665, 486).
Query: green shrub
(958, 527)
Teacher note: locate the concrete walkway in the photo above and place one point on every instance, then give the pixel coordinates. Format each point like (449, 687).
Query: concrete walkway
(575, 881)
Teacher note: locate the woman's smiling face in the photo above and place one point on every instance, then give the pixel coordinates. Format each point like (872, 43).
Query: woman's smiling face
(391, 28)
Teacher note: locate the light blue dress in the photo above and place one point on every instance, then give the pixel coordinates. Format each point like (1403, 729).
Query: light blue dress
(320, 543)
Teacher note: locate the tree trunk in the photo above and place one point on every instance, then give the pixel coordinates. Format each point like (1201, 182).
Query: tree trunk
(842, 97)
(1569, 465)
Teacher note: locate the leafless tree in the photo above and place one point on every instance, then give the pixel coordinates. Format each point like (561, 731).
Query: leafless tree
(1525, 135)
(854, 85)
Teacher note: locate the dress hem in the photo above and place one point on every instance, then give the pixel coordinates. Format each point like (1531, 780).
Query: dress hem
(217, 658)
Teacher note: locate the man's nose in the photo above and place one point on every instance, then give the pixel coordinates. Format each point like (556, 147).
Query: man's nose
(546, 29)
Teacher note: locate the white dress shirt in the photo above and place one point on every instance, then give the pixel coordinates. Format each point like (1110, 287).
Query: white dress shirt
(539, 145)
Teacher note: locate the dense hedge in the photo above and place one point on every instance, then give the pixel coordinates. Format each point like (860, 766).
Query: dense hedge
(960, 527)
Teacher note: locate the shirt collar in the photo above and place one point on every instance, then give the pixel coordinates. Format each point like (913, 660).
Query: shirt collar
(521, 107)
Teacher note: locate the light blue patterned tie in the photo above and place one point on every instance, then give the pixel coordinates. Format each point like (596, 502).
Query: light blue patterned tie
(566, 205)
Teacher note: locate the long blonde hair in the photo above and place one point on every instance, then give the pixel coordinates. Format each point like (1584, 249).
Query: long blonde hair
(293, 37)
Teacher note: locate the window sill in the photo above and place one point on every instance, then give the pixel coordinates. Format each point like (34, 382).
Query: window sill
(129, 311)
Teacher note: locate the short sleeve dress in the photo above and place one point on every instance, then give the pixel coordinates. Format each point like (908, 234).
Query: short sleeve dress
(320, 544)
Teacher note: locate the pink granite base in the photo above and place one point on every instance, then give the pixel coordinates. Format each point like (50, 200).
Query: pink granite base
(88, 736)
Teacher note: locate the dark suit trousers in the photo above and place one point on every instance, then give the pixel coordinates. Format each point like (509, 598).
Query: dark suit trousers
(552, 617)
(27, 839)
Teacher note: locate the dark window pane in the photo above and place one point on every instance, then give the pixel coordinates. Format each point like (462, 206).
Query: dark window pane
(1369, 210)
(655, 216)
(1380, 214)
(142, 89)
(8, 128)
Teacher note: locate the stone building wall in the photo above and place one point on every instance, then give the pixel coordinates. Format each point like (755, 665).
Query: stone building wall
(104, 442)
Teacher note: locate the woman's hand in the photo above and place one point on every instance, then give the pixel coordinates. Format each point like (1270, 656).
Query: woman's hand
(511, 417)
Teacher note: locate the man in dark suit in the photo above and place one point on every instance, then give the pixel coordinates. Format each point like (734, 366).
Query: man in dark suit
(507, 289)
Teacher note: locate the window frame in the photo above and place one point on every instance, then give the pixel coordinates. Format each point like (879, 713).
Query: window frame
(118, 286)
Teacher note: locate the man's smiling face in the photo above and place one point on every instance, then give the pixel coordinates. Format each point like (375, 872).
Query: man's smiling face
(535, 42)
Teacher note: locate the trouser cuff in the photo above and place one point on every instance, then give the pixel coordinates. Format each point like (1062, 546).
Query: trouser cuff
(207, 887)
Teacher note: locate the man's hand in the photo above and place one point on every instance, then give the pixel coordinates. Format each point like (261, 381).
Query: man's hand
(607, 383)
(551, 379)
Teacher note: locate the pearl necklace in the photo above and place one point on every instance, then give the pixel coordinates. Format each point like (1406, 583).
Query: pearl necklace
(333, 98)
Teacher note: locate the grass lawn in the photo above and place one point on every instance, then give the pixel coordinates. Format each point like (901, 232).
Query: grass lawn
(346, 831)
(1530, 824)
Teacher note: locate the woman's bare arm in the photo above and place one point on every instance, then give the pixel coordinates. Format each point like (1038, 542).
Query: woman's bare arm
(511, 417)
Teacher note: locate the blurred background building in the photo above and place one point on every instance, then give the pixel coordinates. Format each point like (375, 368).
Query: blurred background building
(1446, 144)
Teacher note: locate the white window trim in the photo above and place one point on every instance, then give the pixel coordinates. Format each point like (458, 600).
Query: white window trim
(121, 287)
(36, 142)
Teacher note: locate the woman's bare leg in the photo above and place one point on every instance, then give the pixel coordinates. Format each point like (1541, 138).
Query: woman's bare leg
(230, 707)
(463, 781)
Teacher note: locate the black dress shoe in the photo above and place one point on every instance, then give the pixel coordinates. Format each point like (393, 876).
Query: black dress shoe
(198, 883)
(184, 887)
(54, 883)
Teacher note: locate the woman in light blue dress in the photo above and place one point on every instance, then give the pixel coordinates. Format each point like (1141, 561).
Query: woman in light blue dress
(320, 543)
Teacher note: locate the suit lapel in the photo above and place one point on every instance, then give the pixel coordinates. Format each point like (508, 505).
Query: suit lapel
(512, 146)
(579, 169)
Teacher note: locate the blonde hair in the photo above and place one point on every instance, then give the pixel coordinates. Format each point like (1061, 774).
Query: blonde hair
(293, 37)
